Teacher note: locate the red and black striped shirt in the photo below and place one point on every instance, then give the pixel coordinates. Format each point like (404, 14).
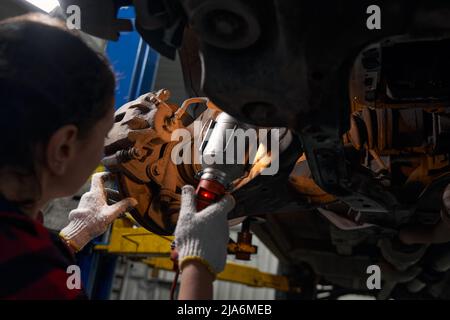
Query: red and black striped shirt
(33, 262)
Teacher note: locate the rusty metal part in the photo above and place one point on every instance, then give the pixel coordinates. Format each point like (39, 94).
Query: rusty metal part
(139, 149)
(243, 247)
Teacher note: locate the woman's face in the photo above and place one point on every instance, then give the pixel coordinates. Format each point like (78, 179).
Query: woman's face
(89, 152)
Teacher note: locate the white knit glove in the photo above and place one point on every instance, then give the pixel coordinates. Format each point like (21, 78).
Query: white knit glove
(203, 236)
(93, 215)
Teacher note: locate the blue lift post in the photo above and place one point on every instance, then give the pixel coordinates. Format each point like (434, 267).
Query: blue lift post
(135, 65)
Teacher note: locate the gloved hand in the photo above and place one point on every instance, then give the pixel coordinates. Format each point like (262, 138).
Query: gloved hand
(93, 215)
(203, 236)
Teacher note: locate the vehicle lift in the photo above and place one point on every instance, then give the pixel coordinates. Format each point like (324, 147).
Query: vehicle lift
(129, 239)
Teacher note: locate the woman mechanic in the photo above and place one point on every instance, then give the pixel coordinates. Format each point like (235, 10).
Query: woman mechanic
(57, 98)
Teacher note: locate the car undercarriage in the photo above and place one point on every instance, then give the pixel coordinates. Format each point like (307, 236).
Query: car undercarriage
(365, 139)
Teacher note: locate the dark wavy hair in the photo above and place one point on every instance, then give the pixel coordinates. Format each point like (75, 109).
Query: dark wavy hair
(48, 78)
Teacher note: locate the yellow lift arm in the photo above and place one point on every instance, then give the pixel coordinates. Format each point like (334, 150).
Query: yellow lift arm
(130, 240)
